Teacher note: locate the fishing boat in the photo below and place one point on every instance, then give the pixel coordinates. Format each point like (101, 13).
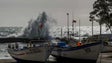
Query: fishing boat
(88, 52)
(68, 49)
(30, 53)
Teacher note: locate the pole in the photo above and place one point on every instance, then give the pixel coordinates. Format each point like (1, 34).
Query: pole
(92, 31)
(73, 28)
(79, 29)
(61, 32)
(68, 25)
(73, 22)
(92, 28)
(100, 32)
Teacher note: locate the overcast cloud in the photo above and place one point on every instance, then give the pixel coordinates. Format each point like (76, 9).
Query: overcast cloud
(19, 12)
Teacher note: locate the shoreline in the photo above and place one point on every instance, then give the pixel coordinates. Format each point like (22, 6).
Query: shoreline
(103, 58)
(7, 61)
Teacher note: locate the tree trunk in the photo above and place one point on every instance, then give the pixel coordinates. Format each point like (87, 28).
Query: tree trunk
(100, 31)
(110, 30)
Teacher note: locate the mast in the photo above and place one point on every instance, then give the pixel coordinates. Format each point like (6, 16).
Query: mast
(92, 28)
(79, 31)
(61, 32)
(68, 25)
(73, 27)
(73, 22)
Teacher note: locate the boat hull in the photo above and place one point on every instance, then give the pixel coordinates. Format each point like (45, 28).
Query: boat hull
(35, 54)
(89, 52)
(27, 61)
(61, 59)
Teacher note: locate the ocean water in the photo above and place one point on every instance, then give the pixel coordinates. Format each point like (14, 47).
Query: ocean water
(3, 51)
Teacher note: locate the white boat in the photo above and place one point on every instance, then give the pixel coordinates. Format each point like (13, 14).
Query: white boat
(38, 53)
(88, 52)
(84, 53)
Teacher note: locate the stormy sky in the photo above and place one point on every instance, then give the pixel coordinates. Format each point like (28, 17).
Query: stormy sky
(19, 12)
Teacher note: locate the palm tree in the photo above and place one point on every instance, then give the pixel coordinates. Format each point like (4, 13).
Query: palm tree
(91, 19)
(102, 13)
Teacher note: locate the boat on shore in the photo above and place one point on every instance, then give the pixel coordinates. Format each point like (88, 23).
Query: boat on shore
(88, 52)
(31, 53)
(68, 49)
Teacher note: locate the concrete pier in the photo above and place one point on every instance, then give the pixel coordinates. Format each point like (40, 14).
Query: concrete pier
(105, 58)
